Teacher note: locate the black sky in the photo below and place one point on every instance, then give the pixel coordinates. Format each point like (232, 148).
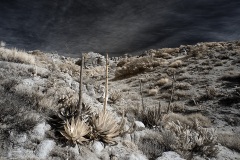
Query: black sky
(116, 26)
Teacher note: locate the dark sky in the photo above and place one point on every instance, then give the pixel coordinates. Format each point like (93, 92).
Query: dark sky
(116, 26)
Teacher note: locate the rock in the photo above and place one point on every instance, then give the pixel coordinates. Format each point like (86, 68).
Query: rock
(170, 156)
(139, 125)
(105, 156)
(18, 138)
(137, 135)
(44, 148)
(20, 153)
(91, 90)
(87, 154)
(75, 150)
(136, 156)
(97, 147)
(39, 131)
(225, 153)
(127, 137)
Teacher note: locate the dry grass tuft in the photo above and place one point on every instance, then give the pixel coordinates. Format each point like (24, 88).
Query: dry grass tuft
(14, 55)
(183, 86)
(163, 81)
(176, 64)
(230, 141)
(115, 96)
(231, 76)
(187, 119)
(153, 92)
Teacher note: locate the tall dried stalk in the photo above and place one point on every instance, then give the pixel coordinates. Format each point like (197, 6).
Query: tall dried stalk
(172, 92)
(140, 81)
(106, 85)
(80, 86)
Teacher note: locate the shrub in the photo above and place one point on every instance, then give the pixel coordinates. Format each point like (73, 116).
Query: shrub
(186, 119)
(137, 65)
(115, 96)
(151, 145)
(152, 117)
(189, 140)
(231, 141)
(9, 84)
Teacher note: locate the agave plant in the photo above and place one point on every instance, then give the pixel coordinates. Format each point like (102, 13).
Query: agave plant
(105, 127)
(57, 121)
(152, 117)
(76, 131)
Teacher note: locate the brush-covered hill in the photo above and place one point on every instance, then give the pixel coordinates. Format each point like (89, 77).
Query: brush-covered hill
(171, 103)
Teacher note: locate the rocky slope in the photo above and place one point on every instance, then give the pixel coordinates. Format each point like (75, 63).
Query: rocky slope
(183, 101)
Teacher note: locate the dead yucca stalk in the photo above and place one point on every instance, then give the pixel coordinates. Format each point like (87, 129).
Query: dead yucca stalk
(75, 131)
(105, 127)
(106, 86)
(80, 85)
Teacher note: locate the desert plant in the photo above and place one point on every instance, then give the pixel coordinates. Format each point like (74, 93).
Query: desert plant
(189, 140)
(186, 119)
(14, 55)
(75, 131)
(80, 85)
(176, 64)
(115, 96)
(163, 81)
(231, 141)
(137, 65)
(152, 117)
(57, 121)
(105, 127)
(151, 145)
(153, 92)
(9, 84)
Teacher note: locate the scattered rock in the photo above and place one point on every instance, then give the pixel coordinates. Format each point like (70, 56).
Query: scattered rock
(97, 147)
(139, 125)
(170, 156)
(39, 131)
(44, 148)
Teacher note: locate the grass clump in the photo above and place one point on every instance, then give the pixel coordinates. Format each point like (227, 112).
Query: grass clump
(17, 56)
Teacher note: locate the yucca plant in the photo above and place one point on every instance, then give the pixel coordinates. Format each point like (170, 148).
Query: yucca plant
(75, 131)
(105, 127)
(152, 117)
(57, 121)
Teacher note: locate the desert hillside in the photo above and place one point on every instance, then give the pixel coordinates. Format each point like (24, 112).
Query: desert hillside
(170, 103)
